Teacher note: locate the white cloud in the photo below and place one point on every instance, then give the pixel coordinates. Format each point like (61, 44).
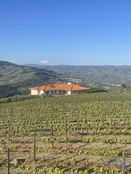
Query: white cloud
(44, 62)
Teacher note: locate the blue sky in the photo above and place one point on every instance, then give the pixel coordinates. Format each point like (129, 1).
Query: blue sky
(80, 32)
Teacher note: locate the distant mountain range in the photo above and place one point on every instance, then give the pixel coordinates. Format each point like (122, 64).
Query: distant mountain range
(105, 76)
(16, 79)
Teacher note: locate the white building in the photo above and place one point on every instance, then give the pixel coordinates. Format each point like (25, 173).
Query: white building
(57, 89)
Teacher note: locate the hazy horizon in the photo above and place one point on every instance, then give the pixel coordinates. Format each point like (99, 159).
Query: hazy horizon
(63, 64)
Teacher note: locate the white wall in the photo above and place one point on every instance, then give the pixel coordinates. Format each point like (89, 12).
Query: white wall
(34, 92)
(68, 92)
(54, 92)
(41, 92)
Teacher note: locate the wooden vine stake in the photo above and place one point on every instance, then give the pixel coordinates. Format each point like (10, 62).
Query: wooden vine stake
(9, 130)
(66, 127)
(52, 136)
(8, 155)
(34, 146)
(66, 131)
(124, 163)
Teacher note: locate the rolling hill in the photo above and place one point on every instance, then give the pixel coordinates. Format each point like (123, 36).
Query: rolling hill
(16, 79)
(98, 76)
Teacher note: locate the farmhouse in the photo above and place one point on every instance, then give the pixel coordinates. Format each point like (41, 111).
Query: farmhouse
(57, 89)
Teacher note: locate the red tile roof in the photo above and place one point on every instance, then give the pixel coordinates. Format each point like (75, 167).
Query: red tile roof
(65, 87)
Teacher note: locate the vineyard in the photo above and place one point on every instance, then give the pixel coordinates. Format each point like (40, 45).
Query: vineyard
(78, 134)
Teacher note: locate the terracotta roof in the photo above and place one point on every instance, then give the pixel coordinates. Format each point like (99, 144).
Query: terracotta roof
(65, 87)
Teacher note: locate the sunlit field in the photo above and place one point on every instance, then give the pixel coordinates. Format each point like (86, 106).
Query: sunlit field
(78, 134)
